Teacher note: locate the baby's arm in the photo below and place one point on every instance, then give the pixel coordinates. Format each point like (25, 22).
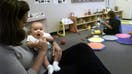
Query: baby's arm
(31, 41)
(48, 37)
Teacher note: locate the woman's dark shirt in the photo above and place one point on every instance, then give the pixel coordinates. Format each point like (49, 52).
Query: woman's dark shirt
(116, 27)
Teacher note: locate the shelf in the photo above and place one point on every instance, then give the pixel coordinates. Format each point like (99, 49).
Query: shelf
(82, 29)
(84, 21)
(36, 16)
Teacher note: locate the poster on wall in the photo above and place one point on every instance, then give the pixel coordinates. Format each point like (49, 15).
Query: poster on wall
(59, 1)
(50, 1)
(43, 1)
(79, 1)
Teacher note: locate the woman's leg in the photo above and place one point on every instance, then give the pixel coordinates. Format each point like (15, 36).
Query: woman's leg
(84, 58)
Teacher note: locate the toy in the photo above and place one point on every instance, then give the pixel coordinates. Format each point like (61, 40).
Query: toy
(73, 26)
(63, 41)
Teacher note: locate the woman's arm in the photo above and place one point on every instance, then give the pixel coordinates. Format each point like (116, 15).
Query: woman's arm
(12, 65)
(42, 49)
(9, 64)
(107, 25)
(36, 65)
(38, 62)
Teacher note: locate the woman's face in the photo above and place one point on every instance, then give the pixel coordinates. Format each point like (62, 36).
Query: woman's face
(24, 20)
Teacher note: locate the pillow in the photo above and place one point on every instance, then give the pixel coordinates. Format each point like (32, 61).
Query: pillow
(96, 46)
(123, 35)
(125, 40)
(96, 38)
(110, 37)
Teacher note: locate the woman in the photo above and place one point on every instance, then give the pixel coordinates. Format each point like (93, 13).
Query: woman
(79, 59)
(13, 15)
(114, 25)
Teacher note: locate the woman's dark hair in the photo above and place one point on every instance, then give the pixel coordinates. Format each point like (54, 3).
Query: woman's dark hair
(11, 14)
(24, 8)
(111, 14)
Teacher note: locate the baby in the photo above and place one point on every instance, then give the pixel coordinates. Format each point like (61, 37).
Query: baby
(37, 32)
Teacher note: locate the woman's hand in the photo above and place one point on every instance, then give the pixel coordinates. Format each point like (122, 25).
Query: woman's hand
(107, 25)
(130, 33)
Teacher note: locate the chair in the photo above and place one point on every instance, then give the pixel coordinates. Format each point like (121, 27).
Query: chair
(61, 28)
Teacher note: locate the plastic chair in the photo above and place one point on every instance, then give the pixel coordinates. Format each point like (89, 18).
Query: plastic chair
(61, 27)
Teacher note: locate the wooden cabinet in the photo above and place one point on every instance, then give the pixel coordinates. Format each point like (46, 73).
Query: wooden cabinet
(83, 22)
(119, 13)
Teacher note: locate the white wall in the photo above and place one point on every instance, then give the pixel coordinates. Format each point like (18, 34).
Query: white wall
(54, 12)
(126, 6)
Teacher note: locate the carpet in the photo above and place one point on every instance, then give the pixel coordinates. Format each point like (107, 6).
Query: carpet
(116, 57)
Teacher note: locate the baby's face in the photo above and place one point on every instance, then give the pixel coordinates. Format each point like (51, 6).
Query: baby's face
(37, 30)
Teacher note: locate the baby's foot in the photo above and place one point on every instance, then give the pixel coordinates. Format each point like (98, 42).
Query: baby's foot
(50, 69)
(56, 66)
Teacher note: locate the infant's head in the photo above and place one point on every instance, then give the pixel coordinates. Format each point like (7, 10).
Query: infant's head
(37, 29)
